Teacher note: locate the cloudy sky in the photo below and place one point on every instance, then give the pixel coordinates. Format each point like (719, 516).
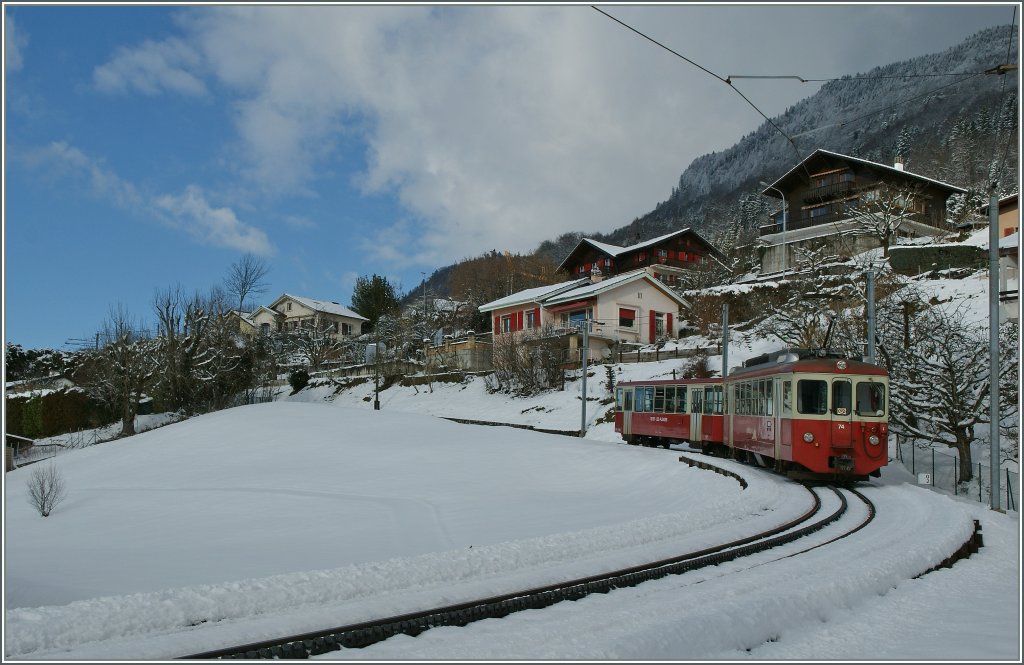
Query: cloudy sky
(152, 146)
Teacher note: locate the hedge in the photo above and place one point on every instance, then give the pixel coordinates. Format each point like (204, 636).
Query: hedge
(54, 413)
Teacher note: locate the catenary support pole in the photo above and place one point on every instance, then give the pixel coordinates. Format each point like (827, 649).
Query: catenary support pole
(725, 340)
(871, 316)
(585, 324)
(993, 342)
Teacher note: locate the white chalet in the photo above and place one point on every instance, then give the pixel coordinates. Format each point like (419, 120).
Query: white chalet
(629, 308)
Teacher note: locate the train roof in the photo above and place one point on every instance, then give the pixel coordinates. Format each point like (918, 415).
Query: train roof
(810, 362)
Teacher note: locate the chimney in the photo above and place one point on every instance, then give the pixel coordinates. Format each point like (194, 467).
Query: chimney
(596, 275)
(898, 165)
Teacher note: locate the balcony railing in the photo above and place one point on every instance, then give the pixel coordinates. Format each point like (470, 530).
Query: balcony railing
(828, 191)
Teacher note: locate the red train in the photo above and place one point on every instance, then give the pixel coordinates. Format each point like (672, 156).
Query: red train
(808, 414)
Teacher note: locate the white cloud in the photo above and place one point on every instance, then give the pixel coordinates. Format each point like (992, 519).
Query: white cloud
(152, 68)
(212, 226)
(15, 42)
(189, 211)
(501, 126)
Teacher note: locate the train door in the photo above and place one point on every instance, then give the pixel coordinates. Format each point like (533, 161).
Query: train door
(842, 413)
(626, 405)
(696, 410)
(774, 411)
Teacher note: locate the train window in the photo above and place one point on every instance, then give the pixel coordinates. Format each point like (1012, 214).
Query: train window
(812, 396)
(618, 399)
(659, 399)
(769, 404)
(787, 398)
(842, 397)
(645, 399)
(870, 398)
(670, 399)
(713, 399)
(627, 400)
(681, 399)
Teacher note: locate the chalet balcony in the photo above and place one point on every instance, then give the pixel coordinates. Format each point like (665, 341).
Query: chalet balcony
(835, 190)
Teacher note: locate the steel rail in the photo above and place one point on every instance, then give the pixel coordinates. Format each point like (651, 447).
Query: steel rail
(365, 633)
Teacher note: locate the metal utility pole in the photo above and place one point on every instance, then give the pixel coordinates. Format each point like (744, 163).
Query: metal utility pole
(585, 325)
(785, 250)
(725, 341)
(993, 341)
(871, 315)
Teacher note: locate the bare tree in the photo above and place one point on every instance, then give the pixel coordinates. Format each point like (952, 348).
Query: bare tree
(316, 342)
(46, 489)
(119, 371)
(940, 382)
(246, 277)
(881, 212)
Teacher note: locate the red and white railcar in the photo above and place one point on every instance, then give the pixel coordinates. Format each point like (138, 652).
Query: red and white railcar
(806, 414)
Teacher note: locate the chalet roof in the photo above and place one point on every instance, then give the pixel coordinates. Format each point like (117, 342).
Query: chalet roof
(884, 167)
(615, 250)
(1006, 200)
(325, 306)
(578, 289)
(590, 289)
(532, 295)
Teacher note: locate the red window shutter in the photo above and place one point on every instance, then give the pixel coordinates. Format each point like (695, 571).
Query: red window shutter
(536, 317)
(627, 314)
(519, 321)
(654, 326)
(668, 325)
(671, 253)
(497, 324)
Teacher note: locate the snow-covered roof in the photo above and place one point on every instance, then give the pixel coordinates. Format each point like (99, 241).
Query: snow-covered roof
(616, 251)
(326, 306)
(577, 290)
(891, 169)
(1009, 242)
(591, 289)
(531, 295)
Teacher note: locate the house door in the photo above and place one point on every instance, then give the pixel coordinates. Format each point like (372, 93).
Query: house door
(842, 413)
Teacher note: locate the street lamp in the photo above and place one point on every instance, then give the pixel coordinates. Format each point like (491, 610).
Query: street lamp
(785, 251)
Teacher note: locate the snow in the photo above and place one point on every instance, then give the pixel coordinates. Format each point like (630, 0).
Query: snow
(298, 515)
(531, 295)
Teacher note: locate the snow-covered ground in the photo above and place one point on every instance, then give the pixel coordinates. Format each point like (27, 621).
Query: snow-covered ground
(288, 517)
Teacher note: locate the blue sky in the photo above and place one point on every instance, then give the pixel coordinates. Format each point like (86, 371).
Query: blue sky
(147, 147)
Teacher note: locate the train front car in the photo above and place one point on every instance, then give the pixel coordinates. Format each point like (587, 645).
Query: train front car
(818, 418)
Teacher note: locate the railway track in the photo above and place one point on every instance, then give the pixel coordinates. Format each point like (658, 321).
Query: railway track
(363, 634)
(359, 635)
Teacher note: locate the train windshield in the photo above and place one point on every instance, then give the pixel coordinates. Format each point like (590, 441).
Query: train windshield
(870, 398)
(812, 396)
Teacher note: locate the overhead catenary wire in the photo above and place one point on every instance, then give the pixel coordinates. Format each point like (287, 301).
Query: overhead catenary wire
(710, 73)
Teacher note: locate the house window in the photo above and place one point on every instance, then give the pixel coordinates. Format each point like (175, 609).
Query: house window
(662, 253)
(289, 307)
(627, 318)
(819, 211)
(346, 329)
(506, 323)
(265, 328)
(530, 323)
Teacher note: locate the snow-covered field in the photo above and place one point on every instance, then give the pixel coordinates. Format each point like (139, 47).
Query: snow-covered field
(287, 517)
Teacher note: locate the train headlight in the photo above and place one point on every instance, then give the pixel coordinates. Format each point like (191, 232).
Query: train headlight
(874, 440)
(808, 437)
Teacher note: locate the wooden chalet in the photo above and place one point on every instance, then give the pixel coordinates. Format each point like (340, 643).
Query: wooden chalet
(819, 193)
(665, 257)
